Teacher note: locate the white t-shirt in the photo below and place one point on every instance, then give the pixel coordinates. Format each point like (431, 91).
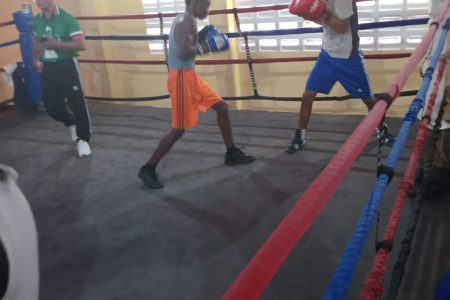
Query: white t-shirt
(336, 44)
(19, 239)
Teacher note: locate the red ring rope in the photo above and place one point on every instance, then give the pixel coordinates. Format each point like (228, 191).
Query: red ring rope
(256, 276)
(238, 61)
(212, 12)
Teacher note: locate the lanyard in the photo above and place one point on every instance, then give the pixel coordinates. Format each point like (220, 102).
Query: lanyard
(47, 26)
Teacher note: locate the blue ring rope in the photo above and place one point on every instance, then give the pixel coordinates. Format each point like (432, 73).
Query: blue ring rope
(343, 276)
(366, 26)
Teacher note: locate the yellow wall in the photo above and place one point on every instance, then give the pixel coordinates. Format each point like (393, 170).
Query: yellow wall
(280, 79)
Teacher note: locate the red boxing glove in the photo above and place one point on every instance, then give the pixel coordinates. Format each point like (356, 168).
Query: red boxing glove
(313, 10)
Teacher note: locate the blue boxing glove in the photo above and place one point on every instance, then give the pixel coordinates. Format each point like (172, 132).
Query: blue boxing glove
(205, 30)
(214, 41)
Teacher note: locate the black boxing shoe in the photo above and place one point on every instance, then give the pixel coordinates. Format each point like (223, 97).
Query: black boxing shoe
(148, 175)
(235, 156)
(297, 143)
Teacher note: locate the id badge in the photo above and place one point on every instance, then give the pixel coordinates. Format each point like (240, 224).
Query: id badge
(50, 54)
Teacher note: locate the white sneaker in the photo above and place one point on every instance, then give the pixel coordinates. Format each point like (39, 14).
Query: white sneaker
(83, 148)
(73, 133)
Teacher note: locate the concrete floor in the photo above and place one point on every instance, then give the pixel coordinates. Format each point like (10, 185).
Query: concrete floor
(104, 235)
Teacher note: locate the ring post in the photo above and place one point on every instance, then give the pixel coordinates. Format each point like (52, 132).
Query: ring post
(23, 21)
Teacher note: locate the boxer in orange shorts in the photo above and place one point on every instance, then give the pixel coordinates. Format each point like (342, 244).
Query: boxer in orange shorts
(188, 92)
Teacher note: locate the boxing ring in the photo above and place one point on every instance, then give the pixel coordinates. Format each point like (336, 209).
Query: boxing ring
(242, 233)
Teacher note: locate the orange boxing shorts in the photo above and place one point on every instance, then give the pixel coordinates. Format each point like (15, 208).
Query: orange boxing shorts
(189, 94)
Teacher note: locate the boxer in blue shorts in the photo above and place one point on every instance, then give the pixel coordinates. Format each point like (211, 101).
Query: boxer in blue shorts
(339, 61)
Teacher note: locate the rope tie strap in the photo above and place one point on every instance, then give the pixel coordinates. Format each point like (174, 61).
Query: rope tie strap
(426, 117)
(385, 97)
(383, 169)
(434, 23)
(429, 70)
(384, 244)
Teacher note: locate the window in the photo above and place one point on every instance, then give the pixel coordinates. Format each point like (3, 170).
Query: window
(395, 38)
(153, 25)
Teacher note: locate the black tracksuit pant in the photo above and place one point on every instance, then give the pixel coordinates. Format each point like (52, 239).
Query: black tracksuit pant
(61, 81)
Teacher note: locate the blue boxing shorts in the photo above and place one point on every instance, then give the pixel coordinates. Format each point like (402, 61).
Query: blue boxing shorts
(350, 72)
